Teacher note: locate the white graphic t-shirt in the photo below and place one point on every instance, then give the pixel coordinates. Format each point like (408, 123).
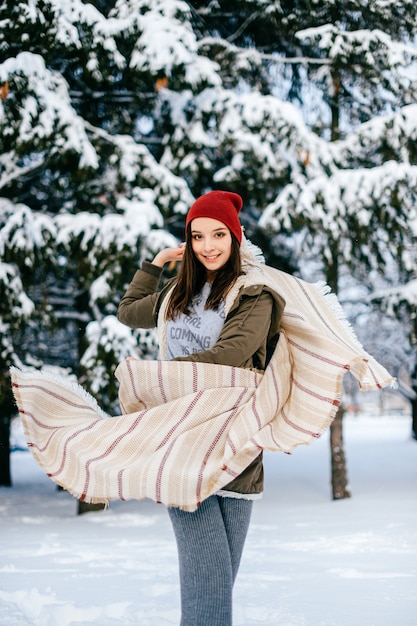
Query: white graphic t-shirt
(195, 332)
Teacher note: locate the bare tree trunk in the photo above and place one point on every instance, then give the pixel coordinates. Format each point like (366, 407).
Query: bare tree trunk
(7, 410)
(86, 507)
(335, 106)
(338, 460)
(414, 417)
(340, 483)
(414, 403)
(5, 476)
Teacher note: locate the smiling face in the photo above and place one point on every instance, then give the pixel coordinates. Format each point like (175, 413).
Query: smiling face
(211, 242)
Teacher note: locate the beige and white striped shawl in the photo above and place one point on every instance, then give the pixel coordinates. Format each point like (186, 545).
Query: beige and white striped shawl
(188, 428)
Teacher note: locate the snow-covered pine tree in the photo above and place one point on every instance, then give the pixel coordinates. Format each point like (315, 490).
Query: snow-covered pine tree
(115, 114)
(362, 211)
(24, 245)
(94, 197)
(345, 63)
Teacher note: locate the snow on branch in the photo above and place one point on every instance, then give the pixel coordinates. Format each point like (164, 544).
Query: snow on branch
(397, 131)
(400, 294)
(265, 136)
(372, 46)
(23, 231)
(166, 42)
(19, 304)
(136, 165)
(47, 119)
(362, 209)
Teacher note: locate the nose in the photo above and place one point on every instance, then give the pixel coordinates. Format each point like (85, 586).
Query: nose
(208, 243)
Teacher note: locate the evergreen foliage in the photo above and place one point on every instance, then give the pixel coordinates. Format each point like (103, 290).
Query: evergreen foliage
(115, 114)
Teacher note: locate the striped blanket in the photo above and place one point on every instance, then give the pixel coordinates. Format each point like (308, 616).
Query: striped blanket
(187, 429)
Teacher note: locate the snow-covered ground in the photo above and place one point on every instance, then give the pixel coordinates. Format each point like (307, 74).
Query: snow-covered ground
(308, 561)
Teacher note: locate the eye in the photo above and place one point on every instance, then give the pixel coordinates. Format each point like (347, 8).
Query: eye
(219, 235)
(196, 237)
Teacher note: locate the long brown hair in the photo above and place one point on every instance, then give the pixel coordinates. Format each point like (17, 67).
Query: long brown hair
(192, 276)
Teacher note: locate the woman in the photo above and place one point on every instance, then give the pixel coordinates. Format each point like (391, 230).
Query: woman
(213, 312)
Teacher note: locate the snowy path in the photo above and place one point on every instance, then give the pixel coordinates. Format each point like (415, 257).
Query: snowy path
(308, 561)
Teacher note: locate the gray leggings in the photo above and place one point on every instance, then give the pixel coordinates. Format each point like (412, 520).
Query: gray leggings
(210, 543)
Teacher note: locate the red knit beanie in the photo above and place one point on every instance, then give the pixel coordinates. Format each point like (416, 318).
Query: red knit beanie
(219, 205)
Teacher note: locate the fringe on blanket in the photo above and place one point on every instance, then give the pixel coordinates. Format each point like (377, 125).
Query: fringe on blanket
(189, 428)
(71, 385)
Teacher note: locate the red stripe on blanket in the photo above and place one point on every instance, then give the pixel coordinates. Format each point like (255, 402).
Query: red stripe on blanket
(314, 394)
(56, 395)
(277, 396)
(374, 377)
(133, 385)
(158, 498)
(213, 444)
(269, 427)
(328, 327)
(299, 428)
(54, 429)
(255, 412)
(172, 430)
(190, 408)
(161, 381)
(229, 471)
(110, 449)
(37, 422)
(315, 355)
(67, 441)
(120, 484)
(231, 444)
(276, 387)
(254, 405)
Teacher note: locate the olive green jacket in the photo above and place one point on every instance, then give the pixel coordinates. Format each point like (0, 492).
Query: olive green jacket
(248, 337)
